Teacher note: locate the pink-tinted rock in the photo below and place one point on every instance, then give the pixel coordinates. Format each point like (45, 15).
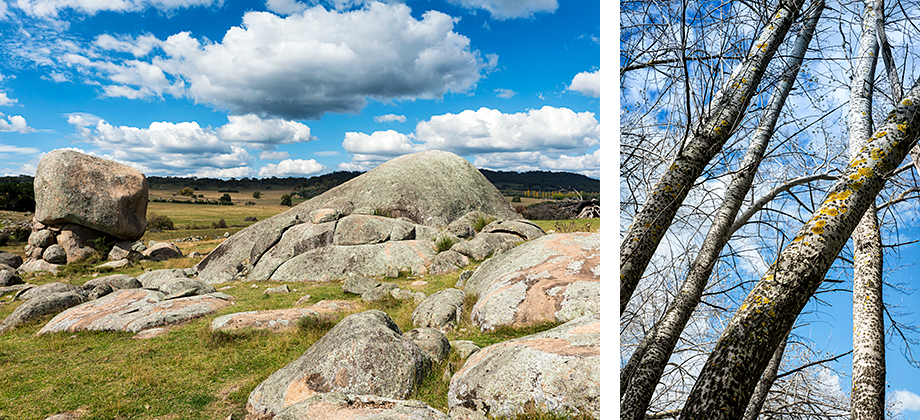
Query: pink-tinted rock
(133, 310)
(162, 252)
(550, 279)
(278, 320)
(557, 371)
(339, 406)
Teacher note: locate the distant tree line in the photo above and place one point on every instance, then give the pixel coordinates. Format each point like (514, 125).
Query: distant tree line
(16, 193)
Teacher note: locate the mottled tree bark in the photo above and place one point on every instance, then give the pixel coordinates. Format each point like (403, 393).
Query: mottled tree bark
(656, 348)
(706, 139)
(766, 382)
(867, 398)
(728, 378)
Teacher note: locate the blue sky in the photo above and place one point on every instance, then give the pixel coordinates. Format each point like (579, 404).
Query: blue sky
(289, 88)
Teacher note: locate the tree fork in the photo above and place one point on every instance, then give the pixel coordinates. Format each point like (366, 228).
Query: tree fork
(729, 376)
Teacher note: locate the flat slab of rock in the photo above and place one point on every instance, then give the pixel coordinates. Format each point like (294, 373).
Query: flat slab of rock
(278, 320)
(557, 370)
(339, 406)
(133, 310)
(47, 288)
(365, 353)
(550, 279)
(117, 281)
(89, 191)
(339, 262)
(524, 228)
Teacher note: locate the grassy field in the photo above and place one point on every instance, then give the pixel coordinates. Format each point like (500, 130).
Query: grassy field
(191, 372)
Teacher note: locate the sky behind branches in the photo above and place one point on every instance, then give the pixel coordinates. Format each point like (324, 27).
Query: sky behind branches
(231, 88)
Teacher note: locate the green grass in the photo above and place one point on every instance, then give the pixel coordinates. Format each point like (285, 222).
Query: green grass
(191, 372)
(566, 226)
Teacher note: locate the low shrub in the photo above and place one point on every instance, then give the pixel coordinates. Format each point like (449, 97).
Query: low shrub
(160, 222)
(220, 224)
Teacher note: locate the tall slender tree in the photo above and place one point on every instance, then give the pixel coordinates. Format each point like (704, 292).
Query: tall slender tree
(868, 392)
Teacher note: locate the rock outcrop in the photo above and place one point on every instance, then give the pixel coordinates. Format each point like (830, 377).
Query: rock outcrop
(418, 193)
(84, 204)
(71, 187)
(555, 278)
(440, 310)
(365, 353)
(557, 370)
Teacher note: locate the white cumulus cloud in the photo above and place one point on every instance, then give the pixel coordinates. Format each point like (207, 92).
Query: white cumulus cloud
(549, 138)
(297, 67)
(390, 118)
(587, 83)
(6, 100)
(14, 123)
(263, 133)
(292, 167)
(909, 401)
(510, 9)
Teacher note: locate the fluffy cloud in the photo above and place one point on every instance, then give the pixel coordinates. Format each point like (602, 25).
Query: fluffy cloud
(510, 9)
(488, 130)
(50, 8)
(548, 138)
(263, 133)
(909, 401)
(588, 84)
(386, 143)
(292, 167)
(390, 118)
(186, 148)
(297, 67)
(14, 123)
(6, 100)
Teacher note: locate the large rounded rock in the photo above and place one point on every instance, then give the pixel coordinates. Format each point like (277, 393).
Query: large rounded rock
(40, 306)
(10, 259)
(339, 406)
(557, 371)
(365, 353)
(47, 289)
(430, 188)
(9, 278)
(551, 279)
(71, 187)
(162, 252)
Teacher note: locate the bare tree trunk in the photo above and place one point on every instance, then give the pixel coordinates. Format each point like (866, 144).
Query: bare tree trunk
(706, 139)
(766, 382)
(728, 378)
(656, 348)
(867, 398)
